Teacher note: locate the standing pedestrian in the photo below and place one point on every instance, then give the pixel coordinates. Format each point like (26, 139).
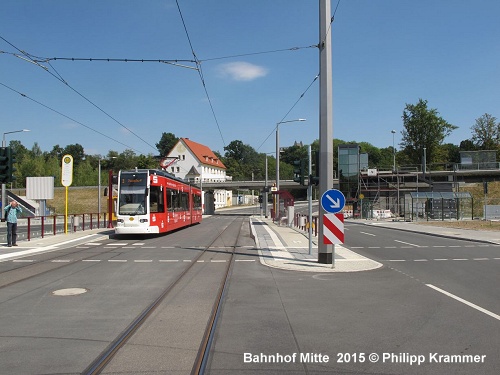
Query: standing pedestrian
(11, 217)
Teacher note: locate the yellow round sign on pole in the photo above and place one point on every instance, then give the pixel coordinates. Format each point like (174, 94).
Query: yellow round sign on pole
(66, 180)
(361, 196)
(67, 170)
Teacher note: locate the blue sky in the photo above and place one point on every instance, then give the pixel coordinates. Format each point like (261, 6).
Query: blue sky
(386, 53)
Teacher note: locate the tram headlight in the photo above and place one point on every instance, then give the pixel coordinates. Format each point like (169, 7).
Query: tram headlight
(143, 220)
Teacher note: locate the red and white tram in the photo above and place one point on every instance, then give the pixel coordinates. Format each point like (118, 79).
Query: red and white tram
(154, 201)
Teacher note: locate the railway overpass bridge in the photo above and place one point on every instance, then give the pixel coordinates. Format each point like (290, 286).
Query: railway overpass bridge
(408, 177)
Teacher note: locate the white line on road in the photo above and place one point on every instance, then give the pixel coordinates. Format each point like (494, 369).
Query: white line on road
(479, 308)
(407, 243)
(368, 234)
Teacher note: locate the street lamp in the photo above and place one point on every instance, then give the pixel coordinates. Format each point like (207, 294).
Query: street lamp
(278, 149)
(276, 208)
(4, 194)
(15, 131)
(393, 151)
(397, 173)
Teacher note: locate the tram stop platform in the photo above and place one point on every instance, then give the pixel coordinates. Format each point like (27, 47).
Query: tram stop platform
(286, 248)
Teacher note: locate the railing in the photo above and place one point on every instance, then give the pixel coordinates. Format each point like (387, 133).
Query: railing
(301, 222)
(40, 226)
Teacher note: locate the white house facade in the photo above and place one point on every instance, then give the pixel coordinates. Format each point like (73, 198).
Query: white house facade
(197, 163)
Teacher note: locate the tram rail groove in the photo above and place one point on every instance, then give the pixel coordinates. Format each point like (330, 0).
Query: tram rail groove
(204, 351)
(106, 356)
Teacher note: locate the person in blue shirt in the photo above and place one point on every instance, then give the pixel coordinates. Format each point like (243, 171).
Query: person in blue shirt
(11, 217)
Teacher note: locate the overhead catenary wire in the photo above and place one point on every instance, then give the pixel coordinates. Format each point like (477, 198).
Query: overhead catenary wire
(290, 110)
(66, 116)
(258, 53)
(329, 26)
(60, 79)
(200, 72)
(198, 67)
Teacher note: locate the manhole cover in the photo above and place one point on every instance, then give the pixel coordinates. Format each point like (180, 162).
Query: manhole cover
(69, 292)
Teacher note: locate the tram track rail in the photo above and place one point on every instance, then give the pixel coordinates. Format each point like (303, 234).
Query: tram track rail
(107, 355)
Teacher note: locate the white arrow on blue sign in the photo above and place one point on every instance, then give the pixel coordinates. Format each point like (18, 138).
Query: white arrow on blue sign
(333, 201)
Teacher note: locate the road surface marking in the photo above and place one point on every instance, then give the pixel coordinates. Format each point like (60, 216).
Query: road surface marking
(479, 308)
(407, 243)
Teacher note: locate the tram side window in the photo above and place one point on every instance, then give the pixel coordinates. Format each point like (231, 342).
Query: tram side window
(156, 203)
(196, 202)
(172, 200)
(184, 202)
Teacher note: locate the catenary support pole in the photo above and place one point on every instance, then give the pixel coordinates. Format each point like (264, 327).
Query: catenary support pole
(325, 252)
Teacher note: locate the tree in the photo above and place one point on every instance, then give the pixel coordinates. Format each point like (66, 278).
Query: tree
(76, 151)
(486, 132)
(240, 160)
(423, 128)
(167, 142)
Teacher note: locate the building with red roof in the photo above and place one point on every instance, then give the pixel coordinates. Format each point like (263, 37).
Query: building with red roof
(197, 163)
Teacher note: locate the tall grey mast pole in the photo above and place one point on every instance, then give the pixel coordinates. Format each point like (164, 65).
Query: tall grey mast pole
(325, 252)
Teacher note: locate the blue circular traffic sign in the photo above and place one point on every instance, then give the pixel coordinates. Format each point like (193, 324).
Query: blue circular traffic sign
(333, 201)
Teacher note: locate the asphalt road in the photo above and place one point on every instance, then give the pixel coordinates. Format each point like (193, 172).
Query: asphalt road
(432, 309)
(385, 321)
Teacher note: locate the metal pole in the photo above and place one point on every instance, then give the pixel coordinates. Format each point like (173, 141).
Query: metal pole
(393, 151)
(425, 161)
(99, 193)
(110, 198)
(325, 252)
(309, 198)
(276, 195)
(265, 193)
(4, 194)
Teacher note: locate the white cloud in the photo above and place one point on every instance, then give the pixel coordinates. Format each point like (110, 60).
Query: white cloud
(242, 71)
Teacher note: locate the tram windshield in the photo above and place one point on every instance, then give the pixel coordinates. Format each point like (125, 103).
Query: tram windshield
(132, 194)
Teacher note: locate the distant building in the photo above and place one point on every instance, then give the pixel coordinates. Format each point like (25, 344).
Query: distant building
(196, 163)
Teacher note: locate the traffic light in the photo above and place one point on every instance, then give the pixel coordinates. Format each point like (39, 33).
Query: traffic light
(11, 159)
(299, 171)
(3, 165)
(314, 177)
(261, 199)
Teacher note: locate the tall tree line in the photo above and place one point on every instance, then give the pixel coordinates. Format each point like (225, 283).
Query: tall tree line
(423, 128)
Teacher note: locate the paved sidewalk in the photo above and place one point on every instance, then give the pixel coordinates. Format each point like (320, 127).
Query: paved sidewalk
(286, 248)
